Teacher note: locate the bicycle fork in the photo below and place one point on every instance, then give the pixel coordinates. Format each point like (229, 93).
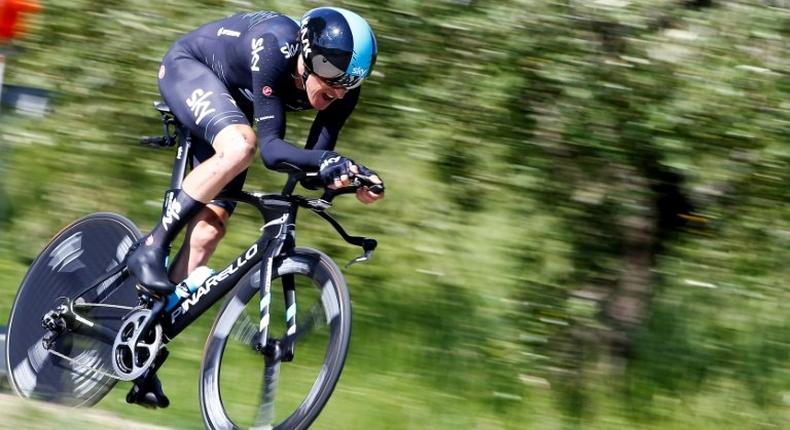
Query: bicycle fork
(274, 349)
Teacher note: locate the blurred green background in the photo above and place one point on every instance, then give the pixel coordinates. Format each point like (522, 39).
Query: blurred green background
(586, 222)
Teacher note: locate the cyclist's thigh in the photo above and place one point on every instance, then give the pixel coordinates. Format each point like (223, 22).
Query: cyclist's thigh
(202, 102)
(197, 97)
(201, 152)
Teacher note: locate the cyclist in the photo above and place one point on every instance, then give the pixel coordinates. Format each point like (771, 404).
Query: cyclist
(243, 69)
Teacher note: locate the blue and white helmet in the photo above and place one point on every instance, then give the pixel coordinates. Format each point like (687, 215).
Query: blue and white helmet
(337, 45)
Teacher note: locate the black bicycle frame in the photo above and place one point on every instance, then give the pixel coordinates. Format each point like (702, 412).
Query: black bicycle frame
(279, 213)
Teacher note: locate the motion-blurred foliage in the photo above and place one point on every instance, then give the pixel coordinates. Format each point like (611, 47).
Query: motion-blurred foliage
(586, 222)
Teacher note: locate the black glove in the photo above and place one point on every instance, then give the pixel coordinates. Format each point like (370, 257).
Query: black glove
(365, 174)
(333, 166)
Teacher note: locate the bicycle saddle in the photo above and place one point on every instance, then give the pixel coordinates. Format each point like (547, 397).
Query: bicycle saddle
(162, 107)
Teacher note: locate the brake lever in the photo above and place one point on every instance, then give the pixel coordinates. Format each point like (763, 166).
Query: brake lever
(361, 259)
(368, 245)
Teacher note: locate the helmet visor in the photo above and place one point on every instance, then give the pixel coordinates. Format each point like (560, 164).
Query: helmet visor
(345, 80)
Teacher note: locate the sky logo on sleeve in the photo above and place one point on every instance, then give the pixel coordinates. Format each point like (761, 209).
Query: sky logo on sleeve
(257, 47)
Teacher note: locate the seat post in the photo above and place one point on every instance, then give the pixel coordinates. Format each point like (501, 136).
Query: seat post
(182, 161)
(183, 155)
(180, 165)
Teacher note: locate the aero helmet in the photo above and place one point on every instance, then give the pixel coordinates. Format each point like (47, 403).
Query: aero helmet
(337, 45)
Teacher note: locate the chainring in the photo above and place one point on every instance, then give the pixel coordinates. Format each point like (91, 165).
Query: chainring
(134, 351)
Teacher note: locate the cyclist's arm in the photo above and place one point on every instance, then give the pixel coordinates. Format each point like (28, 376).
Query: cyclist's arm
(327, 124)
(268, 85)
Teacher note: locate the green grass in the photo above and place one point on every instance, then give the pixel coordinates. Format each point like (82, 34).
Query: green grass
(398, 400)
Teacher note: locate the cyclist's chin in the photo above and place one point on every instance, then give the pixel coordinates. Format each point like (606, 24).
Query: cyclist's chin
(319, 101)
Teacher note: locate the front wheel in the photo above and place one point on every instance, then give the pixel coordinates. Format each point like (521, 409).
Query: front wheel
(253, 392)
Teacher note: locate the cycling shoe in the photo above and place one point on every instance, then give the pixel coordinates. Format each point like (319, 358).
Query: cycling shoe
(147, 264)
(147, 392)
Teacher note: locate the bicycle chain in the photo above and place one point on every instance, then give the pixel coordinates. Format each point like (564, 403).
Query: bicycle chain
(74, 361)
(77, 363)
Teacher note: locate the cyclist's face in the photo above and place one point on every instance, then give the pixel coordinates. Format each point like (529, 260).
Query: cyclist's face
(321, 94)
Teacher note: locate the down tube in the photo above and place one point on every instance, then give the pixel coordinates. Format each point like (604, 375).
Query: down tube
(213, 289)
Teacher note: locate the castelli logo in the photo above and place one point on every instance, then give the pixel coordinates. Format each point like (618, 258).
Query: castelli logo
(162, 72)
(267, 91)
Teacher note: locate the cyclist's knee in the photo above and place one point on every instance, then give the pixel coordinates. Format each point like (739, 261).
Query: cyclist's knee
(237, 144)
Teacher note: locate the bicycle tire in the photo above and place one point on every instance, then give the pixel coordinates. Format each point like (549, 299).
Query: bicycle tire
(330, 286)
(76, 256)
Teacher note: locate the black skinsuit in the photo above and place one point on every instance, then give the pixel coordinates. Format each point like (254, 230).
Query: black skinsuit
(239, 70)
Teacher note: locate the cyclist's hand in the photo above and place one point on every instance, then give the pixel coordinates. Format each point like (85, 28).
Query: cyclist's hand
(335, 170)
(364, 194)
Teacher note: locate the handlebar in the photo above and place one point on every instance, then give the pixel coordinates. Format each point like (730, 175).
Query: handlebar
(358, 182)
(319, 206)
(158, 141)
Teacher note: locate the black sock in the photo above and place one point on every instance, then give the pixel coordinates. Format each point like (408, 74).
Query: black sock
(180, 210)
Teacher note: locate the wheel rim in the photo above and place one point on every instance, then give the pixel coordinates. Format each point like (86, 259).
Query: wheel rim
(76, 256)
(231, 398)
(300, 378)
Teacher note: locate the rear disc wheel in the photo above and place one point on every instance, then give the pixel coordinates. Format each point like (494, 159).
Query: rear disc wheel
(77, 256)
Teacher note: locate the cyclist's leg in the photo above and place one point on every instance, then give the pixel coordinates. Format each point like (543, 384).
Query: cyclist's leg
(234, 148)
(224, 143)
(204, 233)
(201, 101)
(207, 228)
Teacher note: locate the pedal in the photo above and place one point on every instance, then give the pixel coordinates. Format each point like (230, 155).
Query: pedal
(147, 389)
(148, 394)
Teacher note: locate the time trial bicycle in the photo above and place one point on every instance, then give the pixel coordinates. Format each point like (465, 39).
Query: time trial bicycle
(81, 322)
